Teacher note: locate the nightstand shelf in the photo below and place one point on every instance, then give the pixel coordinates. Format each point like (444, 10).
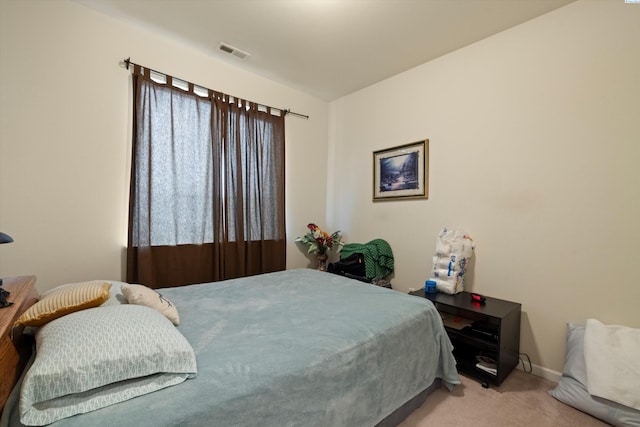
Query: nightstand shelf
(491, 330)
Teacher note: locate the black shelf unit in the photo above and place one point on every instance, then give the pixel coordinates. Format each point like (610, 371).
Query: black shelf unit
(491, 329)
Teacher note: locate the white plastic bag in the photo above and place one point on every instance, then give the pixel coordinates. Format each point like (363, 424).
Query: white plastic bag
(454, 248)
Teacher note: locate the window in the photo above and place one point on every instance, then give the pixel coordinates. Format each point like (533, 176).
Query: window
(207, 174)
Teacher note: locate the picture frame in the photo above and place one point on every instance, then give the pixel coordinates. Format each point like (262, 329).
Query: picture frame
(402, 172)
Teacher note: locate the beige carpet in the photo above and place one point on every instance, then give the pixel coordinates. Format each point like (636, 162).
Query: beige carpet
(521, 400)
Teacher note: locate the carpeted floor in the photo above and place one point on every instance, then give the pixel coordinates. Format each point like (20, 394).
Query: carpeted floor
(521, 400)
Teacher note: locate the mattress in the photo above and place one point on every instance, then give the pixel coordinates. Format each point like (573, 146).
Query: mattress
(292, 348)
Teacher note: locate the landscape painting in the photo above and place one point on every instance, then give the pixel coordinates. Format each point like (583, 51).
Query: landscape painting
(401, 172)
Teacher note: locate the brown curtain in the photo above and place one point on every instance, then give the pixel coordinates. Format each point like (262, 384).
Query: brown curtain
(207, 186)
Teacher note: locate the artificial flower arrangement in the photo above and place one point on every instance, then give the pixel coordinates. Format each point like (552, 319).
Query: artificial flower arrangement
(320, 241)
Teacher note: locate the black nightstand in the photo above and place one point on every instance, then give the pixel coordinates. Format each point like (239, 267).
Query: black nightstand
(491, 329)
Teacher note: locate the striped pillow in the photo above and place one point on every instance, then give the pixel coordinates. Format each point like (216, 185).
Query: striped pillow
(63, 300)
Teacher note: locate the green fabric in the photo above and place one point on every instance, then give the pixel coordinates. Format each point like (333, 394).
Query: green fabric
(378, 257)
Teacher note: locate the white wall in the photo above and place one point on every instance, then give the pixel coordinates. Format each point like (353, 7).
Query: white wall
(65, 120)
(534, 151)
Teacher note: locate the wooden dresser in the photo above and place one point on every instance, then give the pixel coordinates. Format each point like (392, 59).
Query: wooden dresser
(15, 353)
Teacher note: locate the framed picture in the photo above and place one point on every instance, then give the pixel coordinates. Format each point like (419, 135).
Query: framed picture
(401, 173)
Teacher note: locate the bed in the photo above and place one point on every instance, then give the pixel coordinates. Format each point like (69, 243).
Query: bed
(292, 348)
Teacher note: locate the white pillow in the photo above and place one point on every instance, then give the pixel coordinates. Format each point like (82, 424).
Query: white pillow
(572, 388)
(100, 356)
(142, 295)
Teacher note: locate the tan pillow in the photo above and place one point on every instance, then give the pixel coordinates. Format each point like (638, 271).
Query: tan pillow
(142, 295)
(63, 300)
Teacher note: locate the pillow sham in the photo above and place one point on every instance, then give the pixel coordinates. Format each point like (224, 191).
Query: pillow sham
(63, 300)
(142, 295)
(98, 357)
(572, 388)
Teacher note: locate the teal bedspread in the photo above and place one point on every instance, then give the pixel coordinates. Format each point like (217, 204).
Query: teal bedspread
(292, 348)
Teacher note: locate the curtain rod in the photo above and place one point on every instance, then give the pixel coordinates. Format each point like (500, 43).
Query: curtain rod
(285, 111)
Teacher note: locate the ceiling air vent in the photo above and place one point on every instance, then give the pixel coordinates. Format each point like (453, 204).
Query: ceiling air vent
(232, 50)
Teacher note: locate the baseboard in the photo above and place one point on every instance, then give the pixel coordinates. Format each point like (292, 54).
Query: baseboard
(543, 372)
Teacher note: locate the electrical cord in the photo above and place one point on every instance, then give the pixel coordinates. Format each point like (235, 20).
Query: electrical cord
(524, 368)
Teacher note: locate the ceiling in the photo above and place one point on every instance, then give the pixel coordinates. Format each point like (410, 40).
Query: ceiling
(327, 48)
